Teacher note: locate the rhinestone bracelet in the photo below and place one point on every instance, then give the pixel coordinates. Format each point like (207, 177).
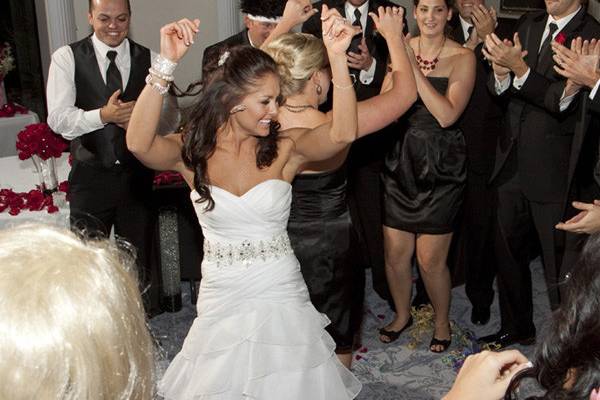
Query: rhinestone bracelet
(168, 78)
(161, 89)
(163, 65)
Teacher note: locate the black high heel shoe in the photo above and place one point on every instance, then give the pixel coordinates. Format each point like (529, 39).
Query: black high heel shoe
(394, 335)
(444, 343)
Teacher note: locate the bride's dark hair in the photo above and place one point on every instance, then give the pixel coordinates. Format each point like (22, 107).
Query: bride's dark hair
(570, 351)
(231, 77)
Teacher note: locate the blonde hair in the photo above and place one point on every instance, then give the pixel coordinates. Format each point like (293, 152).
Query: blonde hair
(72, 324)
(298, 57)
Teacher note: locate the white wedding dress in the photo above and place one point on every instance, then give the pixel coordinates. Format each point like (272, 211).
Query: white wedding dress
(257, 335)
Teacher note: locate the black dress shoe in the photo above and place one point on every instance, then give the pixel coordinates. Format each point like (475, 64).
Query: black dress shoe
(480, 315)
(503, 339)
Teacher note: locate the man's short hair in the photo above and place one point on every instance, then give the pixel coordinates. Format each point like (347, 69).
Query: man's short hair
(263, 8)
(91, 6)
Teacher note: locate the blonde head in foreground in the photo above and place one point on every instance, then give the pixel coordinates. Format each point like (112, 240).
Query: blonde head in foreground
(72, 323)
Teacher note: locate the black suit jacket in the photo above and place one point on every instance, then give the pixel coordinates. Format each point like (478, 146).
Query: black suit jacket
(215, 50)
(482, 120)
(537, 138)
(375, 42)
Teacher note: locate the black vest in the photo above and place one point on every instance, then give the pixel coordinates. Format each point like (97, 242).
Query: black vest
(105, 146)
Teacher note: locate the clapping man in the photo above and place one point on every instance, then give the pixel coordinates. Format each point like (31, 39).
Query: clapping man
(92, 87)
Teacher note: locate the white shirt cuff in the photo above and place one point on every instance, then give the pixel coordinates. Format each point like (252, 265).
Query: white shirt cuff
(565, 101)
(366, 77)
(93, 119)
(594, 90)
(501, 86)
(519, 82)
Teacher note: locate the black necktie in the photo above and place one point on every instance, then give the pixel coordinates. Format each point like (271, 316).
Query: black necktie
(114, 81)
(115, 134)
(358, 37)
(469, 31)
(544, 58)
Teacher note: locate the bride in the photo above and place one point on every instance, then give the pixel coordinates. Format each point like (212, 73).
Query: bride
(256, 334)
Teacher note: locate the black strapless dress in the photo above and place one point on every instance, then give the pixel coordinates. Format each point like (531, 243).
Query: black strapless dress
(325, 243)
(424, 173)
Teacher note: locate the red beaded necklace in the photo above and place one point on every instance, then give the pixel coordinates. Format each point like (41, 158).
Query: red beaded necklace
(428, 65)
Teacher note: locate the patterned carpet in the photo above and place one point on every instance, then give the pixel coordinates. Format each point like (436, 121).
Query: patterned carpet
(404, 370)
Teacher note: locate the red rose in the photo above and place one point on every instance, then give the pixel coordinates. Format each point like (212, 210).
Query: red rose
(39, 139)
(63, 187)
(561, 38)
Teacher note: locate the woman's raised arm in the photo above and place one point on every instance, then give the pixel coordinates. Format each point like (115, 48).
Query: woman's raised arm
(379, 111)
(157, 152)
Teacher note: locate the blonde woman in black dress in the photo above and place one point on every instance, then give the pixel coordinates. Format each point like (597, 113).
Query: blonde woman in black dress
(424, 173)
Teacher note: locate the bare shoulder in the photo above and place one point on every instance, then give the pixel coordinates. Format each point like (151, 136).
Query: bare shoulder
(457, 49)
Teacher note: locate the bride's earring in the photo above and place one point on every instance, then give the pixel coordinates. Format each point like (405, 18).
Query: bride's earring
(319, 89)
(238, 108)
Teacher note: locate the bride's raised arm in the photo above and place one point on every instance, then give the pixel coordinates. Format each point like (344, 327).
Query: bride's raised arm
(328, 139)
(158, 152)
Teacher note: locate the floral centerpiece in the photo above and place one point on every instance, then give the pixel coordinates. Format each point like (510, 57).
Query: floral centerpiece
(7, 64)
(38, 142)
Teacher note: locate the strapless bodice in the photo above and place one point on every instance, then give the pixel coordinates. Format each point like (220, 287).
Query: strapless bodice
(319, 195)
(259, 214)
(419, 116)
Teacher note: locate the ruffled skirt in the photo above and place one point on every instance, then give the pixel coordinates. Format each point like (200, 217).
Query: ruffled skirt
(257, 336)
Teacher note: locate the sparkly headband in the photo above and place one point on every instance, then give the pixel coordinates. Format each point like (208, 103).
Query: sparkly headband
(258, 18)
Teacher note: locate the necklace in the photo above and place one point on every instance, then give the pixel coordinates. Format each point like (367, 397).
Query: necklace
(429, 65)
(298, 109)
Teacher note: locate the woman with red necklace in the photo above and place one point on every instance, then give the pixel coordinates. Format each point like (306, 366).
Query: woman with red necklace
(424, 173)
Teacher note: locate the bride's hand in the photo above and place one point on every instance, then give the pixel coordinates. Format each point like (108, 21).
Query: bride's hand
(389, 21)
(337, 31)
(177, 37)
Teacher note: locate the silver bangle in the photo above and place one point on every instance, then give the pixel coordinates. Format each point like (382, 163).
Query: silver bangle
(161, 89)
(168, 78)
(163, 66)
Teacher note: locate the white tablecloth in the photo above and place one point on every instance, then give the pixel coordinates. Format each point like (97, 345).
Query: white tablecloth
(20, 176)
(10, 127)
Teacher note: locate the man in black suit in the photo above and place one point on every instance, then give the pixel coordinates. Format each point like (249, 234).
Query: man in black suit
(367, 59)
(92, 87)
(481, 124)
(530, 173)
(583, 184)
(260, 18)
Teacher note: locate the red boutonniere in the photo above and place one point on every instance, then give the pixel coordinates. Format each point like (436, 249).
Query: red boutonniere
(561, 38)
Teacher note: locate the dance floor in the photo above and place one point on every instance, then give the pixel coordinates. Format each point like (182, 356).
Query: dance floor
(404, 369)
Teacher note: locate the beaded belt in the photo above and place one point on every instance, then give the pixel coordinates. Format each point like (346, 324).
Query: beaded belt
(247, 252)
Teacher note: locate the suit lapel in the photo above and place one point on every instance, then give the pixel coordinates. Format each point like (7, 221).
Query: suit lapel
(572, 29)
(533, 39)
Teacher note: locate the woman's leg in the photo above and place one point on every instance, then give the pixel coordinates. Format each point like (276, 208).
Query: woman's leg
(346, 359)
(399, 247)
(432, 252)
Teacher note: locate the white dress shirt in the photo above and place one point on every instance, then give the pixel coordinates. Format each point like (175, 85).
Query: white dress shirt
(465, 25)
(366, 77)
(518, 82)
(63, 117)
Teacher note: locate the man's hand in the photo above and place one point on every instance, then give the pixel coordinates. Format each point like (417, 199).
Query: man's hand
(587, 221)
(578, 64)
(362, 60)
(506, 54)
(115, 111)
(484, 21)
